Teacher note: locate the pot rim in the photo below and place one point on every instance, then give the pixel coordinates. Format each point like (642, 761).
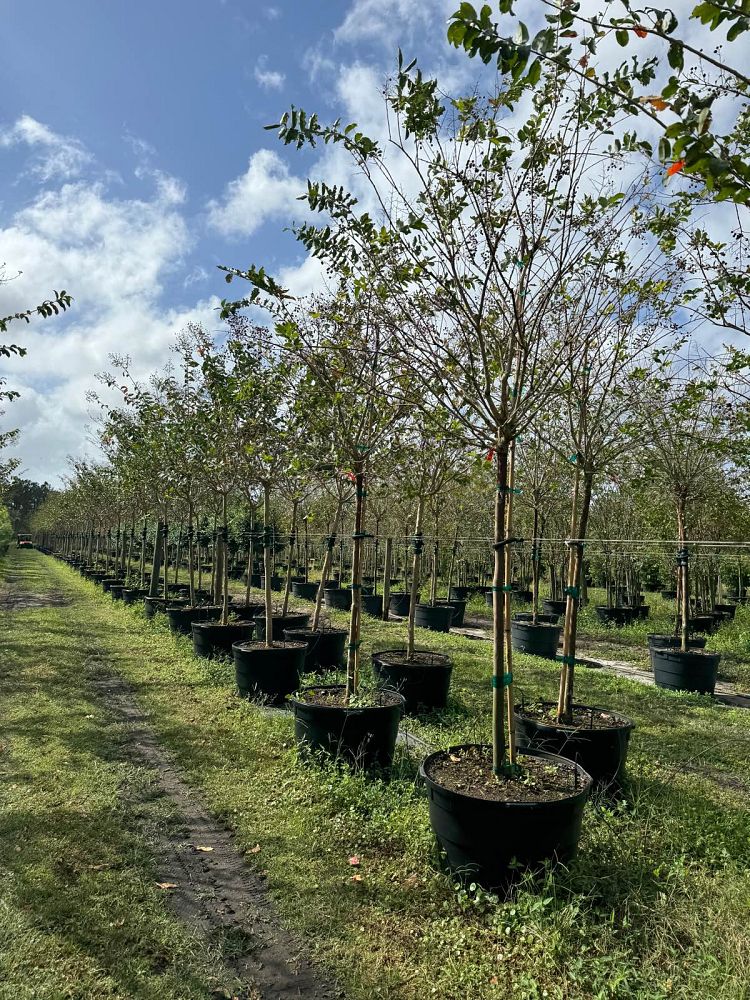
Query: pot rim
(350, 709)
(492, 803)
(552, 727)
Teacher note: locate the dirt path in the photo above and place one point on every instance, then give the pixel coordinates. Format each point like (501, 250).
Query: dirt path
(209, 884)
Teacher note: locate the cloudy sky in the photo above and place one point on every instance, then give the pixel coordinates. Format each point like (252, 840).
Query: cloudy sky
(134, 160)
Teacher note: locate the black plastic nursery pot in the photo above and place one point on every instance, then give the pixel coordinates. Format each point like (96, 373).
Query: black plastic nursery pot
(524, 596)
(669, 595)
(436, 619)
(181, 619)
(211, 639)
(276, 583)
(248, 612)
(694, 670)
(643, 611)
(98, 575)
(295, 619)
(600, 751)
(108, 581)
(424, 681)
(307, 591)
(399, 603)
(271, 673)
(115, 591)
(657, 641)
(538, 640)
(325, 647)
(492, 842)
(459, 611)
(154, 604)
(363, 735)
(131, 595)
(528, 616)
(489, 598)
(702, 623)
(338, 598)
(726, 609)
(551, 607)
(616, 616)
(372, 604)
(459, 593)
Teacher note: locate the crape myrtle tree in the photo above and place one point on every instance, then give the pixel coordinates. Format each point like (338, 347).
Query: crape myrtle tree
(616, 311)
(260, 378)
(350, 384)
(472, 251)
(338, 493)
(688, 437)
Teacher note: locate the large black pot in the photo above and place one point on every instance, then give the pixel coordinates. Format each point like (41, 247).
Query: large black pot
(211, 639)
(98, 575)
(276, 583)
(657, 641)
(424, 684)
(459, 593)
(729, 610)
(616, 616)
(702, 623)
(372, 604)
(524, 596)
(154, 604)
(325, 647)
(131, 595)
(642, 611)
(600, 752)
(542, 619)
(538, 640)
(248, 612)
(399, 603)
(459, 610)
(295, 619)
(271, 673)
(364, 736)
(115, 591)
(338, 598)
(551, 607)
(181, 619)
(307, 591)
(436, 619)
(669, 595)
(491, 842)
(694, 670)
(108, 581)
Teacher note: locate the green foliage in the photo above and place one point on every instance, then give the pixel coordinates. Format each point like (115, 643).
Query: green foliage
(6, 530)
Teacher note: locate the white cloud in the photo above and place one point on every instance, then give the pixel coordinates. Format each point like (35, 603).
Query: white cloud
(266, 190)
(389, 21)
(54, 155)
(269, 79)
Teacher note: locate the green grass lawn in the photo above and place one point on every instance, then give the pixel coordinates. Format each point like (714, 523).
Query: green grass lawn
(657, 905)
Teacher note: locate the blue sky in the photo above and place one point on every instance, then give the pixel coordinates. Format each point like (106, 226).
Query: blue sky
(133, 160)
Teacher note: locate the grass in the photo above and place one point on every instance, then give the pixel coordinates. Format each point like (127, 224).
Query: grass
(656, 906)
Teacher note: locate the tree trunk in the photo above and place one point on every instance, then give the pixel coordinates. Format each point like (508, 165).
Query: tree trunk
(326, 568)
(684, 577)
(501, 672)
(153, 590)
(268, 561)
(417, 546)
(191, 554)
(535, 567)
(565, 700)
(352, 659)
(292, 540)
(388, 560)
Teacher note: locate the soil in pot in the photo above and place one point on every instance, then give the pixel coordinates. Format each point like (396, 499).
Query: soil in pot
(210, 639)
(295, 619)
(694, 670)
(492, 829)
(399, 603)
(656, 641)
(181, 619)
(538, 640)
(424, 680)
(372, 604)
(363, 735)
(435, 619)
(596, 738)
(325, 647)
(307, 591)
(271, 673)
(338, 598)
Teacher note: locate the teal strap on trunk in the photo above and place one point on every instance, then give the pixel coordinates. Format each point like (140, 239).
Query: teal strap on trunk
(502, 682)
(573, 591)
(569, 661)
(507, 588)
